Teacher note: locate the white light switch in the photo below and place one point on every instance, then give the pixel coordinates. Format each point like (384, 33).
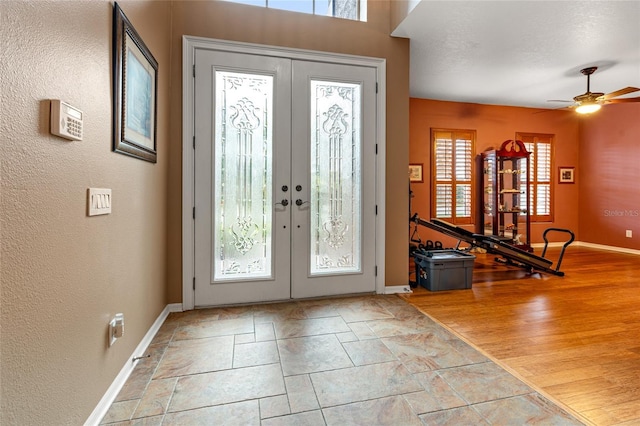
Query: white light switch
(116, 328)
(98, 201)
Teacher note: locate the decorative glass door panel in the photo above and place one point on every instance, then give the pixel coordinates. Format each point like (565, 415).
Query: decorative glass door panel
(284, 178)
(336, 171)
(243, 153)
(242, 162)
(333, 168)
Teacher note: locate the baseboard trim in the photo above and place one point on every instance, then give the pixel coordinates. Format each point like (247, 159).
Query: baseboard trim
(591, 245)
(610, 248)
(395, 289)
(105, 403)
(541, 245)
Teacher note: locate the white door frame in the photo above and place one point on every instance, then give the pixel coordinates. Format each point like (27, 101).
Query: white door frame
(189, 46)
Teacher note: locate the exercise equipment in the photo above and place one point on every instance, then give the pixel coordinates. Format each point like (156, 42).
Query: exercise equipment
(426, 245)
(512, 255)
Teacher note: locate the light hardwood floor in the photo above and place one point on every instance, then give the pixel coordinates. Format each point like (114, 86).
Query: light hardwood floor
(574, 338)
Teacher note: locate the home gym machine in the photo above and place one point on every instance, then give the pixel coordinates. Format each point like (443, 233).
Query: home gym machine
(510, 254)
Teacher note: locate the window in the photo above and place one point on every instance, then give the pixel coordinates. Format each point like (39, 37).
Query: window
(452, 175)
(541, 148)
(355, 10)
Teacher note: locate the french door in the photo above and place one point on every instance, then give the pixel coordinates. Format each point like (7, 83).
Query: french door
(284, 178)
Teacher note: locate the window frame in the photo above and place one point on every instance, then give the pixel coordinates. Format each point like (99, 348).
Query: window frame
(455, 134)
(535, 139)
(361, 7)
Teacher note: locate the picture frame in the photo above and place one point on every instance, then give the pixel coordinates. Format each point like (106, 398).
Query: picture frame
(415, 172)
(135, 92)
(566, 175)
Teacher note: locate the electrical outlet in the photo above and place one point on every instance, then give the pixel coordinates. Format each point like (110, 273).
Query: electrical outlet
(629, 234)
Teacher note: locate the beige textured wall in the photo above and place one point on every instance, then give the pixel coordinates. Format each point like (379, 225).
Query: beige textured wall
(63, 274)
(400, 9)
(229, 21)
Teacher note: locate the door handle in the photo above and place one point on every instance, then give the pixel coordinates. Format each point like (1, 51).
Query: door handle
(283, 203)
(299, 202)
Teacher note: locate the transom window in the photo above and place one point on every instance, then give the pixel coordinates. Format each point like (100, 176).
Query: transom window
(355, 10)
(541, 148)
(452, 175)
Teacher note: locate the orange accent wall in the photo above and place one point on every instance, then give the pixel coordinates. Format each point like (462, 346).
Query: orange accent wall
(494, 125)
(609, 176)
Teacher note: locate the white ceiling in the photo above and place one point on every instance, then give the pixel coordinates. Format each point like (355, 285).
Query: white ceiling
(521, 53)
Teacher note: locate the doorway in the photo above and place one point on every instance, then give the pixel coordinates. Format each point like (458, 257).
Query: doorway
(284, 177)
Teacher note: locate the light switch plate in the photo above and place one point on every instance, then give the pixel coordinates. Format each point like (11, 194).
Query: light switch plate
(98, 201)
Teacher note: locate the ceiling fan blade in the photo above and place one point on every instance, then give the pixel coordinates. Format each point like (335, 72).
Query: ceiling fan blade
(559, 100)
(622, 100)
(618, 93)
(568, 107)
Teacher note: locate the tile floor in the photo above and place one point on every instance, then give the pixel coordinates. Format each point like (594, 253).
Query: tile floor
(368, 360)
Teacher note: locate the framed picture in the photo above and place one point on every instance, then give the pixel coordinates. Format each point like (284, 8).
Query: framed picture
(566, 175)
(415, 173)
(135, 90)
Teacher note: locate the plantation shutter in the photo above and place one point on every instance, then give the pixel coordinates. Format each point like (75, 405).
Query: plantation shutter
(452, 175)
(540, 147)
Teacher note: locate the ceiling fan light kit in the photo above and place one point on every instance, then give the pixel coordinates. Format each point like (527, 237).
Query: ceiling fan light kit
(590, 102)
(588, 108)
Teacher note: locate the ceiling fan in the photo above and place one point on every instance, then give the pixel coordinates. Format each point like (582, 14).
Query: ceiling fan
(590, 102)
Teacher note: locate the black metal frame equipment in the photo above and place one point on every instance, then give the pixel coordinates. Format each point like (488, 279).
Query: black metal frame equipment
(512, 255)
